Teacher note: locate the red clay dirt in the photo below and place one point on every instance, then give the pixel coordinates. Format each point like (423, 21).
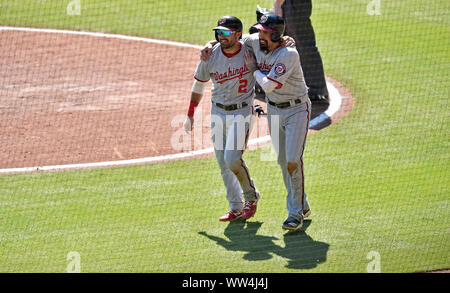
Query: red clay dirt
(68, 99)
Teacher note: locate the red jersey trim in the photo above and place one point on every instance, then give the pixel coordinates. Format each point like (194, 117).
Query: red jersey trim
(279, 86)
(200, 79)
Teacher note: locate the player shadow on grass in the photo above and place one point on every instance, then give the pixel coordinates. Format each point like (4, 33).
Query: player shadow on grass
(301, 251)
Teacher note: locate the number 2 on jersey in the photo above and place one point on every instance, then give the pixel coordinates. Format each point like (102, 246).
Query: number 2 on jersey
(243, 86)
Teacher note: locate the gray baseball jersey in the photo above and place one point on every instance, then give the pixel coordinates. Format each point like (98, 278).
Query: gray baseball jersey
(288, 126)
(232, 81)
(281, 66)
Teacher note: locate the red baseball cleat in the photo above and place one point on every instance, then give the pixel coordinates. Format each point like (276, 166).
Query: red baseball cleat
(231, 216)
(249, 209)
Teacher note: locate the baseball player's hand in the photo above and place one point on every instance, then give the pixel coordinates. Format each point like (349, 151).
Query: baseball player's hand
(207, 50)
(188, 124)
(250, 61)
(287, 41)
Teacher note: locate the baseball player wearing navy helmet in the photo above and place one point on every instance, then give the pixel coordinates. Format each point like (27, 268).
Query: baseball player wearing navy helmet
(277, 70)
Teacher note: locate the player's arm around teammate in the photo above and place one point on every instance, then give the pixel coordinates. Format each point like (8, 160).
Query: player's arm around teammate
(286, 41)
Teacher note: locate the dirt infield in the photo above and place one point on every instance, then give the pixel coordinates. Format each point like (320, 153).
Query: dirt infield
(67, 99)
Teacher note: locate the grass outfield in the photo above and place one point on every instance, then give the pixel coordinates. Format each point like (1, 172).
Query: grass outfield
(377, 180)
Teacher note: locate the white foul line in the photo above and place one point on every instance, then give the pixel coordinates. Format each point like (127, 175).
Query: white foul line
(102, 35)
(335, 103)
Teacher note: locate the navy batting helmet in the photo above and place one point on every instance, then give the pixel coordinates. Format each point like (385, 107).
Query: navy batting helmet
(271, 23)
(228, 22)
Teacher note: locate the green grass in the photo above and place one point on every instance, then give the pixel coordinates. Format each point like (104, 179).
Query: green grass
(189, 21)
(377, 180)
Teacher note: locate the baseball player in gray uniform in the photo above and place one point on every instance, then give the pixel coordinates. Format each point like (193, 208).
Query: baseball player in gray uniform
(277, 70)
(232, 112)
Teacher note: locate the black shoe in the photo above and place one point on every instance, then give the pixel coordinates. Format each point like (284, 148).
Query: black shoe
(319, 99)
(293, 224)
